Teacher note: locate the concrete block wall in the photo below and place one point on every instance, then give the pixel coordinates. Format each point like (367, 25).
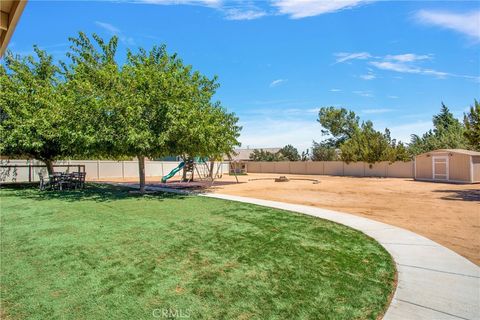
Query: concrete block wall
(333, 168)
(336, 168)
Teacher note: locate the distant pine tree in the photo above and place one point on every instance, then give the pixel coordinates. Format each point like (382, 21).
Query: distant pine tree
(472, 126)
(448, 133)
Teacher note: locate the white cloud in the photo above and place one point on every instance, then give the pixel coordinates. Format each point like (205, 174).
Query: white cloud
(346, 56)
(376, 111)
(297, 9)
(238, 14)
(335, 90)
(313, 110)
(405, 68)
(393, 97)
(369, 76)
(277, 82)
(108, 27)
(246, 10)
(114, 31)
(402, 63)
(394, 66)
(366, 94)
(232, 10)
(467, 23)
(408, 57)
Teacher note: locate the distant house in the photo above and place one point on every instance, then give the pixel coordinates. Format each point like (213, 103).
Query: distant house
(244, 154)
(239, 160)
(448, 165)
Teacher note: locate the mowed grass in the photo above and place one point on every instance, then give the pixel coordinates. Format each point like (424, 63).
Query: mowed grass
(103, 253)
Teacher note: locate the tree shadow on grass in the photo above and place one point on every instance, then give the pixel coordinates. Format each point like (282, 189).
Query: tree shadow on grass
(92, 192)
(461, 195)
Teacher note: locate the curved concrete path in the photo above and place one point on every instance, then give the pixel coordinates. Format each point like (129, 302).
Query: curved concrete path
(433, 281)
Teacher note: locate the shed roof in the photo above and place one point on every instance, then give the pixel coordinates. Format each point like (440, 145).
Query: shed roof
(460, 151)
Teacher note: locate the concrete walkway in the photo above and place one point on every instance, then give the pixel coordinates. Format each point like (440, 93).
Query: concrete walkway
(433, 281)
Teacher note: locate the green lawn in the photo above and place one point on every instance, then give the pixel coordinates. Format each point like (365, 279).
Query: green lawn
(102, 253)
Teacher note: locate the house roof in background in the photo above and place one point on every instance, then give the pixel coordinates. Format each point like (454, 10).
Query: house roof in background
(244, 154)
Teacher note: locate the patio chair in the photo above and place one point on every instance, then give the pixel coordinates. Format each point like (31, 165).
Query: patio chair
(78, 179)
(44, 183)
(83, 176)
(59, 181)
(66, 181)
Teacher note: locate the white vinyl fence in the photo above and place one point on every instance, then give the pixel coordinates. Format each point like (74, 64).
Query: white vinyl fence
(95, 169)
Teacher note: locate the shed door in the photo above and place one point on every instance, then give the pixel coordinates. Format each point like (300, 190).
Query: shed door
(440, 168)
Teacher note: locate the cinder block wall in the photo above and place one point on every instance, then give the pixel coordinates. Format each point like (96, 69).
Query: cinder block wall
(336, 168)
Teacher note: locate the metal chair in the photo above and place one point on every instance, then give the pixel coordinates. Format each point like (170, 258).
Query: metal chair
(78, 179)
(44, 183)
(82, 176)
(66, 181)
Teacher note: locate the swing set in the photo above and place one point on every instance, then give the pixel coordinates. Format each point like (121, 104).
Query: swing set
(198, 168)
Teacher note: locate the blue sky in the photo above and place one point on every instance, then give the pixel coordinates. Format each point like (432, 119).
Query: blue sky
(279, 61)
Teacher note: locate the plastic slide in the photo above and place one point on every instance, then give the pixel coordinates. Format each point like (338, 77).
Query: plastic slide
(173, 172)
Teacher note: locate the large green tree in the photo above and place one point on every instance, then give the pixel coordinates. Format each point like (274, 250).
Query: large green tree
(32, 107)
(126, 107)
(338, 123)
(287, 153)
(357, 142)
(471, 121)
(323, 151)
(264, 155)
(221, 134)
(93, 81)
(290, 153)
(199, 127)
(152, 106)
(447, 133)
(370, 145)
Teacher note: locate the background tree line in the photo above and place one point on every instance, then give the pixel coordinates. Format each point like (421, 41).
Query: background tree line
(150, 106)
(287, 153)
(351, 140)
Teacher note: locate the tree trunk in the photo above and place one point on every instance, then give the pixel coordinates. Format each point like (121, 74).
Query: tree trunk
(49, 164)
(212, 166)
(141, 172)
(184, 174)
(184, 171)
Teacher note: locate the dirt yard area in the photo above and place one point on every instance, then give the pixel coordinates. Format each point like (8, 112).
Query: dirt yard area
(446, 213)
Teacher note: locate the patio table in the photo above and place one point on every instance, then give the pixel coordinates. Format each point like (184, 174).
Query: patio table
(63, 180)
